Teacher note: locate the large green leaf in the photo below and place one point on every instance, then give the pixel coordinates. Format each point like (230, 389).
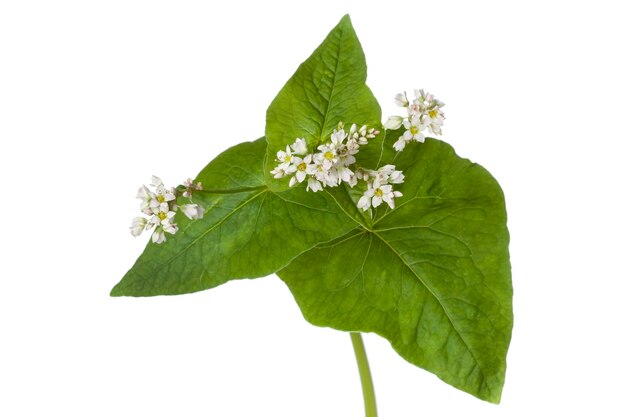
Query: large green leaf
(432, 276)
(248, 231)
(327, 88)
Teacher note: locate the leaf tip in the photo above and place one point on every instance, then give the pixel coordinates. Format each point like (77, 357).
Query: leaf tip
(117, 291)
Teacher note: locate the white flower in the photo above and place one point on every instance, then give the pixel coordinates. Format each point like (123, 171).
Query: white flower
(376, 194)
(352, 146)
(158, 236)
(146, 196)
(163, 222)
(394, 122)
(138, 225)
(400, 144)
(388, 174)
(299, 147)
(436, 118)
(414, 130)
(278, 172)
(285, 157)
(327, 156)
(344, 173)
(192, 211)
(169, 227)
(313, 185)
(401, 100)
(162, 215)
(365, 202)
(337, 137)
(303, 167)
(162, 196)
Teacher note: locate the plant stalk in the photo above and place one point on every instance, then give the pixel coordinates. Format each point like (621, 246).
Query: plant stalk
(366, 376)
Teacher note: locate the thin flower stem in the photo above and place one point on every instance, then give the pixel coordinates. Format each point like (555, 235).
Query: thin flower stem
(366, 375)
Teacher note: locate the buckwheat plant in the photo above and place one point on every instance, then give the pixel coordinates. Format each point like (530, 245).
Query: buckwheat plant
(413, 237)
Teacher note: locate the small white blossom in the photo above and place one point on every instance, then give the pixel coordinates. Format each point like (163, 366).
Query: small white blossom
(162, 195)
(344, 173)
(158, 236)
(278, 172)
(161, 216)
(299, 146)
(376, 194)
(399, 144)
(192, 211)
(327, 155)
(146, 196)
(313, 185)
(285, 157)
(389, 175)
(414, 129)
(303, 166)
(394, 122)
(138, 225)
(401, 100)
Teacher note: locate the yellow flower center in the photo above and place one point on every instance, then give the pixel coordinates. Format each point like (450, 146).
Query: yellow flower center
(414, 130)
(302, 166)
(160, 198)
(329, 155)
(378, 192)
(433, 114)
(288, 158)
(162, 215)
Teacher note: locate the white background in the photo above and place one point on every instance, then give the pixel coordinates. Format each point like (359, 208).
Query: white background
(95, 97)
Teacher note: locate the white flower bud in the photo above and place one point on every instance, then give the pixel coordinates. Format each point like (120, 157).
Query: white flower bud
(401, 100)
(394, 122)
(299, 146)
(192, 211)
(138, 225)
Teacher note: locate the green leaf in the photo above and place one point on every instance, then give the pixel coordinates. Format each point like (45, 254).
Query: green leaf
(327, 88)
(247, 231)
(432, 276)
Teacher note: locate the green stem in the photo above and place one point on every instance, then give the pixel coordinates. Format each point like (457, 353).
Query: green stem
(366, 375)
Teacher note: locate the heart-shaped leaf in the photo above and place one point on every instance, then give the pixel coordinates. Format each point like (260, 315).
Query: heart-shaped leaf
(432, 276)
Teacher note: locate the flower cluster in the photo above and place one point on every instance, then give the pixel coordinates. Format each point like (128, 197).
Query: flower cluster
(159, 204)
(328, 167)
(423, 114)
(379, 187)
(335, 163)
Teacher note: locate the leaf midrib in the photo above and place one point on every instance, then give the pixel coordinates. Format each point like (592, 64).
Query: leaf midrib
(332, 89)
(264, 189)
